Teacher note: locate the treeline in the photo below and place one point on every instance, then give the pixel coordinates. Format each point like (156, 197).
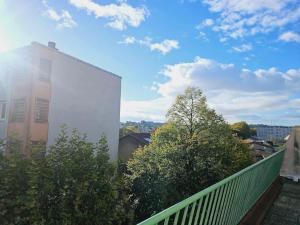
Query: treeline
(138, 127)
(76, 183)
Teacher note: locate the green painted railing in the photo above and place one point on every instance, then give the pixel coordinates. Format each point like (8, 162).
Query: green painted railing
(226, 202)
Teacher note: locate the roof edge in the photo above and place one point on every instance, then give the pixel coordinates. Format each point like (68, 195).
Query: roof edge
(75, 58)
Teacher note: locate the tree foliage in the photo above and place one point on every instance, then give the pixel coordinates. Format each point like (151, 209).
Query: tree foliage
(74, 183)
(127, 130)
(191, 152)
(14, 184)
(243, 130)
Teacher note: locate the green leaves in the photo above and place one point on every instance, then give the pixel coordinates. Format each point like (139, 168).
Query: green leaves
(191, 152)
(243, 130)
(74, 183)
(14, 201)
(127, 130)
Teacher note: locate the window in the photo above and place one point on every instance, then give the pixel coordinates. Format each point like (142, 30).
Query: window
(2, 110)
(41, 110)
(18, 110)
(38, 149)
(45, 69)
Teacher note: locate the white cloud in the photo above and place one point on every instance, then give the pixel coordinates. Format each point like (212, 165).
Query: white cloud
(246, 6)
(63, 19)
(292, 75)
(265, 74)
(236, 93)
(292, 78)
(211, 75)
(242, 48)
(120, 15)
(206, 23)
(295, 103)
(202, 36)
(232, 103)
(290, 37)
(163, 47)
(154, 109)
(128, 40)
(239, 18)
(52, 14)
(223, 39)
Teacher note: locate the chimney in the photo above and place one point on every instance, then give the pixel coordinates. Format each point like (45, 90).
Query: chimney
(51, 44)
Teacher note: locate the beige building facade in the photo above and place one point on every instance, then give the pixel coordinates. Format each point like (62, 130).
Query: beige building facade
(46, 88)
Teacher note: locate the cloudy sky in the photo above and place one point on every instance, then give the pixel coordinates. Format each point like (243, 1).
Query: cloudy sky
(243, 54)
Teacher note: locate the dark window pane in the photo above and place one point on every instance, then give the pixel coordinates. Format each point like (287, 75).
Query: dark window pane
(18, 114)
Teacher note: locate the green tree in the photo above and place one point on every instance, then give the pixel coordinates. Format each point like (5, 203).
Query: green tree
(191, 152)
(242, 129)
(76, 183)
(14, 184)
(127, 130)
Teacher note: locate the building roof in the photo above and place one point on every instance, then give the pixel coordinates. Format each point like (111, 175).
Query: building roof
(252, 140)
(258, 144)
(143, 138)
(34, 43)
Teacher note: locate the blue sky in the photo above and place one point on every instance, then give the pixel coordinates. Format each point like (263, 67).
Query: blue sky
(243, 54)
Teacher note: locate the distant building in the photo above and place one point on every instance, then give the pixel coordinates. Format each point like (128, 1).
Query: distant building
(143, 126)
(260, 148)
(272, 133)
(42, 88)
(129, 143)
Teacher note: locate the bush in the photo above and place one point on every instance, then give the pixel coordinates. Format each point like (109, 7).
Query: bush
(14, 185)
(74, 183)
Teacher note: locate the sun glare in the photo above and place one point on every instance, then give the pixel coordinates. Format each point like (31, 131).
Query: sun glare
(5, 35)
(4, 39)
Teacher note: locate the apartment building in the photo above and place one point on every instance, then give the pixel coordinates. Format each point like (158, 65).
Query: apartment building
(272, 132)
(42, 88)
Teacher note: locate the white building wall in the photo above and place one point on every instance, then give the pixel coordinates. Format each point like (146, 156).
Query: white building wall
(86, 98)
(272, 132)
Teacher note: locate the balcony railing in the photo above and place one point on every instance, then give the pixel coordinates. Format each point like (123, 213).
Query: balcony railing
(226, 202)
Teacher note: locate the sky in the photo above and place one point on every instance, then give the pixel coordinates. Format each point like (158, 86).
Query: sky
(243, 54)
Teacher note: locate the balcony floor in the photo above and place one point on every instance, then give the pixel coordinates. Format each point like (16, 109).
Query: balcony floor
(286, 208)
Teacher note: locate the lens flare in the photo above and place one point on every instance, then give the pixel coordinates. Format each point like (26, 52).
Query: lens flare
(4, 39)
